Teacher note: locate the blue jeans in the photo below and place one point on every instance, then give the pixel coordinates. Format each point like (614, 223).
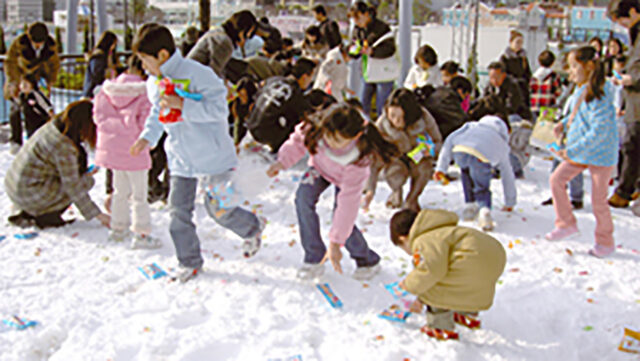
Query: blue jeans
(311, 187)
(576, 185)
(182, 197)
(382, 91)
(476, 179)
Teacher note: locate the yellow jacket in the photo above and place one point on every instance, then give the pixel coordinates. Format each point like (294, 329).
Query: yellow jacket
(456, 268)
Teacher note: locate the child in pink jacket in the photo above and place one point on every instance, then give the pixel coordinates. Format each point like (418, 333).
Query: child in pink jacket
(120, 111)
(340, 148)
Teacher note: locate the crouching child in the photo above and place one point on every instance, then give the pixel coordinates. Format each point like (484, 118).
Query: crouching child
(455, 268)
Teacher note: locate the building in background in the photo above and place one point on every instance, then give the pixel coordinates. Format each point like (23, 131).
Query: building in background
(24, 11)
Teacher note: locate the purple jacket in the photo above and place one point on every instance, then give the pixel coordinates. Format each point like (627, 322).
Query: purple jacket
(120, 110)
(336, 166)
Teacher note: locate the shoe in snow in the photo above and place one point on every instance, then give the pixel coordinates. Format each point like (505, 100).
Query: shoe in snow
(601, 251)
(466, 321)
(119, 235)
(439, 334)
(184, 274)
(145, 241)
(252, 245)
(562, 233)
(484, 219)
(366, 273)
(309, 271)
(470, 212)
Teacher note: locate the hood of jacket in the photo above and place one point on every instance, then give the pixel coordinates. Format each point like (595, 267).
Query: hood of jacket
(496, 124)
(429, 220)
(542, 73)
(124, 90)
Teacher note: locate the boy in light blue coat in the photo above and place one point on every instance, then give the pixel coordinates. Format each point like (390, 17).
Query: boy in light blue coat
(198, 145)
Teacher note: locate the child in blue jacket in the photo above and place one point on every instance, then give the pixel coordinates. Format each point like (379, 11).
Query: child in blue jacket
(198, 145)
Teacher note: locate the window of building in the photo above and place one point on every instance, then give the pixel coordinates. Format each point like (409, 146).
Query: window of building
(592, 15)
(579, 14)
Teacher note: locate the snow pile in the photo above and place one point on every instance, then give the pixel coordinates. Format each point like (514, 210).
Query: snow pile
(554, 302)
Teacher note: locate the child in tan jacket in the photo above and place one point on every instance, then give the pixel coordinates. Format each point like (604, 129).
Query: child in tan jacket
(456, 268)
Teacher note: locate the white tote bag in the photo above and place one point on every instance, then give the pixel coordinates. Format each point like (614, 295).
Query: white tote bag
(381, 70)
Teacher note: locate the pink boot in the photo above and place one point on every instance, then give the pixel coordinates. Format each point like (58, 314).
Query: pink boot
(561, 233)
(600, 251)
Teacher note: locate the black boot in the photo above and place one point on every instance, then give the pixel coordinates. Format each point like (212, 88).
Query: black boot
(577, 205)
(52, 219)
(548, 202)
(22, 220)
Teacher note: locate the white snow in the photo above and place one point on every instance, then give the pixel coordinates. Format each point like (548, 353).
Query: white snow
(92, 303)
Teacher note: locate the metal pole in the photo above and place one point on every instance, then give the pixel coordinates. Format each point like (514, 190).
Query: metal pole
(92, 36)
(474, 49)
(102, 17)
(126, 26)
(404, 37)
(72, 26)
(355, 82)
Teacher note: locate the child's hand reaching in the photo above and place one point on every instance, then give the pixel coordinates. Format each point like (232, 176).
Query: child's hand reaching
(334, 254)
(274, 169)
(138, 146)
(441, 177)
(416, 306)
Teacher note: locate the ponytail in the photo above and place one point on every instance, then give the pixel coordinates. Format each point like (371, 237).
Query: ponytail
(595, 87)
(348, 121)
(372, 143)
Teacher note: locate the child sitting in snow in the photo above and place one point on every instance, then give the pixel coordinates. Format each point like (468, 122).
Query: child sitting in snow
(198, 145)
(120, 111)
(341, 146)
(477, 147)
(455, 268)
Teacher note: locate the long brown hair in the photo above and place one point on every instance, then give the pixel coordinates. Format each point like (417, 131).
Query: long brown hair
(348, 122)
(106, 41)
(76, 122)
(595, 87)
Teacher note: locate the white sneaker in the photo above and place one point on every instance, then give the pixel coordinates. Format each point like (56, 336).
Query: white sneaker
(484, 219)
(184, 274)
(142, 241)
(14, 148)
(470, 212)
(309, 271)
(252, 245)
(119, 235)
(366, 273)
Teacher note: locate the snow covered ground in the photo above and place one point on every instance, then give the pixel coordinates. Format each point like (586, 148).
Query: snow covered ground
(554, 302)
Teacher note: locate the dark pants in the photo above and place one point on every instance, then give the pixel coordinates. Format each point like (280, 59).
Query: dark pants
(159, 165)
(631, 161)
(476, 179)
(15, 121)
(32, 124)
(311, 187)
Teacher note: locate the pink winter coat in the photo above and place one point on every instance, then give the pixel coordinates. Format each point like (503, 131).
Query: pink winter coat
(120, 110)
(350, 178)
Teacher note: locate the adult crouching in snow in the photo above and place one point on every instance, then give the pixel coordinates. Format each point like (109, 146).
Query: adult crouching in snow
(50, 171)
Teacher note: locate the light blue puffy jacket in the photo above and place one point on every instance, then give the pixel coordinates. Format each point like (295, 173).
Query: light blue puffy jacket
(200, 144)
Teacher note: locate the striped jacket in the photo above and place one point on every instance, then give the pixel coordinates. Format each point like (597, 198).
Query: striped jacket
(44, 177)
